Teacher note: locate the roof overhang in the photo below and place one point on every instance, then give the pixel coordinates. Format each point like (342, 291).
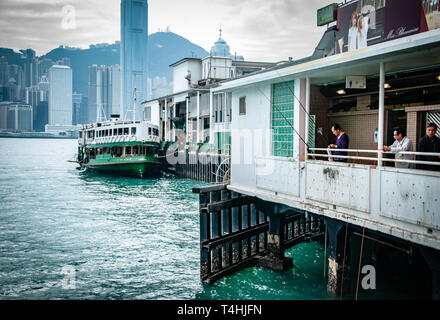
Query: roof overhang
(413, 52)
(184, 60)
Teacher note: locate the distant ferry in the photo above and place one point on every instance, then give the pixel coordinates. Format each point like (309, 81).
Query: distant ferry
(120, 147)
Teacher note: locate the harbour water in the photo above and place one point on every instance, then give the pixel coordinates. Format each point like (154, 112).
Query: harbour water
(69, 234)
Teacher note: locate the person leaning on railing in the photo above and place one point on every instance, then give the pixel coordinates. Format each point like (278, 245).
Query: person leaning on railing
(401, 143)
(342, 142)
(430, 143)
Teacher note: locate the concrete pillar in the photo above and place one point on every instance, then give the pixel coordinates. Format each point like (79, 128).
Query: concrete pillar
(275, 258)
(174, 115)
(187, 119)
(211, 118)
(166, 121)
(432, 258)
(381, 111)
(307, 125)
(198, 116)
(338, 282)
(299, 119)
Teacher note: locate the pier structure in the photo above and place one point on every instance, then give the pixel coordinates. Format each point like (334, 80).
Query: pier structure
(281, 164)
(239, 231)
(192, 115)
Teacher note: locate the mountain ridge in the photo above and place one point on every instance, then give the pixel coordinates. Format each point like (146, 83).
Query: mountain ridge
(164, 48)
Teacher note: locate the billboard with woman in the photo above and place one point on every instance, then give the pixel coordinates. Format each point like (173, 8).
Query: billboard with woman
(364, 23)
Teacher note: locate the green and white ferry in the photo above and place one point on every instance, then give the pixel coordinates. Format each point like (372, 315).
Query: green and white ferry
(120, 147)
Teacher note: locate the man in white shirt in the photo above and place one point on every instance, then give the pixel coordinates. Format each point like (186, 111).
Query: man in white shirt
(402, 143)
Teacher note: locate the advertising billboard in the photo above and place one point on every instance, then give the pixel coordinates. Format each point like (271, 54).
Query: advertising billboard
(364, 23)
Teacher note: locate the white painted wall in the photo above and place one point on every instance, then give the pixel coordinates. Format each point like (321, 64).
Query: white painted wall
(180, 71)
(247, 132)
(155, 112)
(217, 68)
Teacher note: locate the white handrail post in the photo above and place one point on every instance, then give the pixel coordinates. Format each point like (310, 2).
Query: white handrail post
(381, 112)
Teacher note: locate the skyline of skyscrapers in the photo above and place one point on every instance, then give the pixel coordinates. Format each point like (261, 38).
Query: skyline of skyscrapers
(134, 40)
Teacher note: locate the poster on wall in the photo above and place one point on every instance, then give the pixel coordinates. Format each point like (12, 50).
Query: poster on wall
(364, 23)
(431, 10)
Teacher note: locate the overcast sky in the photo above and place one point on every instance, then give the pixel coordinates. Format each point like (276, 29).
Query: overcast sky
(259, 30)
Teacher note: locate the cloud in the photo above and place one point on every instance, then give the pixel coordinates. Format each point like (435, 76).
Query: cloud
(40, 24)
(256, 29)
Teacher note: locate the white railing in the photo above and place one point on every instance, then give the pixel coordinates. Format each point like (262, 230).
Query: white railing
(378, 152)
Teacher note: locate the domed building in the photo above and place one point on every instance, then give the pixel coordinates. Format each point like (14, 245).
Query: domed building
(222, 49)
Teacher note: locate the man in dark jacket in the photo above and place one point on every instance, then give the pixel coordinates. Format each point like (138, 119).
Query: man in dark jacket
(430, 143)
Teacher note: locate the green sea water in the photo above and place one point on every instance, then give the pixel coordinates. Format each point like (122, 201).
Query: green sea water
(70, 234)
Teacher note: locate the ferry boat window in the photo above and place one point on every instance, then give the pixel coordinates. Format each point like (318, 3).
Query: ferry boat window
(149, 131)
(110, 132)
(126, 131)
(80, 134)
(136, 150)
(120, 131)
(156, 132)
(106, 133)
(133, 130)
(149, 151)
(106, 150)
(115, 132)
(127, 150)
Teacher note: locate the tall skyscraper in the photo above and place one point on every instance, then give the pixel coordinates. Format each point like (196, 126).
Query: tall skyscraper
(43, 67)
(4, 71)
(134, 37)
(30, 67)
(77, 101)
(60, 95)
(104, 92)
(43, 85)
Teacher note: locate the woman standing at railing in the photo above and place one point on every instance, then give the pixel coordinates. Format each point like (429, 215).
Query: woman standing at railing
(401, 143)
(342, 142)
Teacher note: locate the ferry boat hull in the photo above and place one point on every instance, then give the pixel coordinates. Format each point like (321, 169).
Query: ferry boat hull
(141, 169)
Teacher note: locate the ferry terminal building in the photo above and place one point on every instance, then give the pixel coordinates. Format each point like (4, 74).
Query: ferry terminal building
(393, 81)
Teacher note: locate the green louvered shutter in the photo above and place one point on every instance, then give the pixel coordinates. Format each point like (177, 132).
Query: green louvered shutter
(312, 131)
(282, 118)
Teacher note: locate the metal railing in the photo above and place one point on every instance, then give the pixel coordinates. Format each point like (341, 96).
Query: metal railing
(378, 152)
